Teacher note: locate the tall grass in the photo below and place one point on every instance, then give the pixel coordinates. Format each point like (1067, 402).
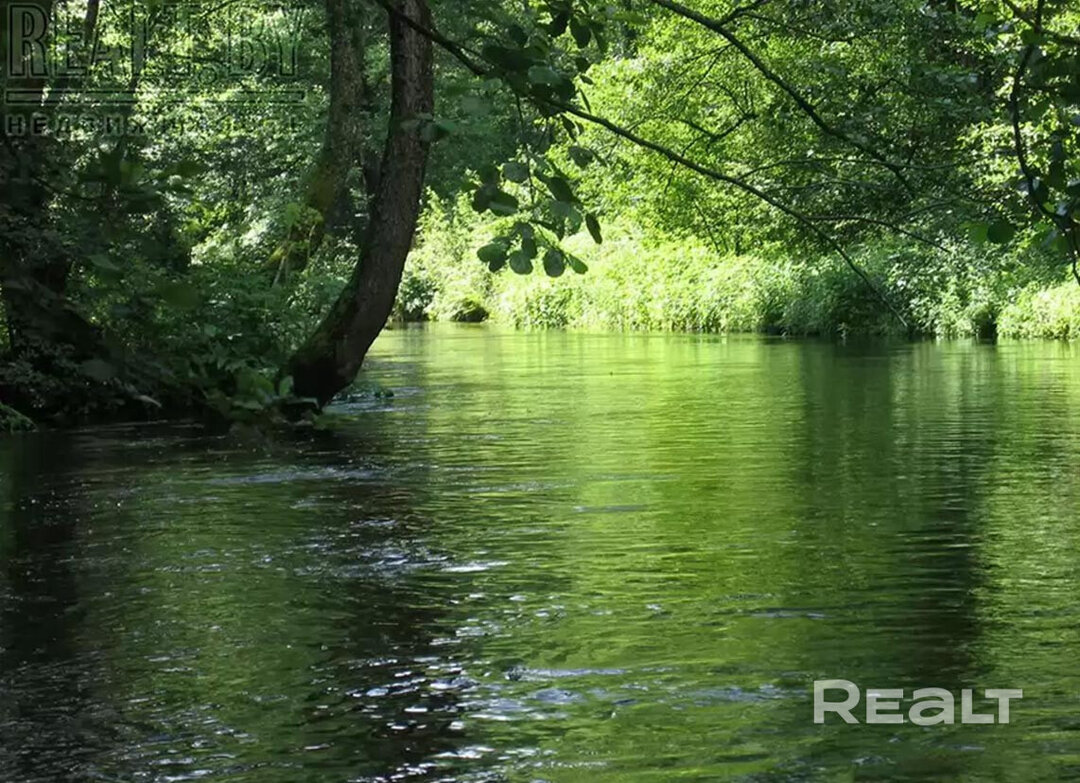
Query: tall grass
(639, 280)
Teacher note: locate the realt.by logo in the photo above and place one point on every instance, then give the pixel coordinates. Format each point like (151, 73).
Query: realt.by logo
(930, 707)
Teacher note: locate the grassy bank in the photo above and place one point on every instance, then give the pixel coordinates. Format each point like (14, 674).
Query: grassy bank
(639, 282)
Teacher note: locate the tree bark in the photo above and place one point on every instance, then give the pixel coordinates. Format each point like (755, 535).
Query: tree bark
(332, 355)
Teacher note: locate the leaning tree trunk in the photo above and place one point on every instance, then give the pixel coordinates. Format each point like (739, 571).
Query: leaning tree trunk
(332, 355)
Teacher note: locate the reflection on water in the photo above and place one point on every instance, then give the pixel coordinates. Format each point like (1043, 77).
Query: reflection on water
(558, 557)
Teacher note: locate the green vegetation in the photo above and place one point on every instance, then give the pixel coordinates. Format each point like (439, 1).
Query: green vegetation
(641, 279)
(229, 235)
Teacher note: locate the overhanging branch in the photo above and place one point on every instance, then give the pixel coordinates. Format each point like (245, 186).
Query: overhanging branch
(468, 59)
(718, 26)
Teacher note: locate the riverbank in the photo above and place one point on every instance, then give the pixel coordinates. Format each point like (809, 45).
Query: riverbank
(642, 283)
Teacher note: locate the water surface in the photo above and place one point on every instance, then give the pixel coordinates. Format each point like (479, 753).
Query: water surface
(558, 557)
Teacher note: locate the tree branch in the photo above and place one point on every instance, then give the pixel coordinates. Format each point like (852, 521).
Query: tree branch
(807, 108)
(466, 58)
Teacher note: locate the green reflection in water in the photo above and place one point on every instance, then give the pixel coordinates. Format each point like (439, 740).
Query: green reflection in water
(558, 557)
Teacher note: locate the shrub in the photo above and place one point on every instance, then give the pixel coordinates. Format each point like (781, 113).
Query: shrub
(679, 283)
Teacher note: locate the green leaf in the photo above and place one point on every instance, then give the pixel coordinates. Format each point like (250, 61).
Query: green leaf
(594, 228)
(516, 171)
(493, 253)
(1001, 232)
(186, 168)
(506, 58)
(558, 23)
(489, 174)
(579, 28)
(520, 263)
(576, 264)
(554, 262)
(437, 130)
(481, 199)
(561, 190)
(1031, 37)
(502, 203)
(566, 210)
(566, 90)
(528, 245)
(978, 232)
(581, 156)
(518, 35)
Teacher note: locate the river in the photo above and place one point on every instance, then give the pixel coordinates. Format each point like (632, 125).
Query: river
(559, 557)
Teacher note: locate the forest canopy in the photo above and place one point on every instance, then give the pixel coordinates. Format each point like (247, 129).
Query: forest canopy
(214, 209)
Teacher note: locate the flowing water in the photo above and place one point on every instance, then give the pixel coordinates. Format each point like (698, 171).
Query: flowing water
(559, 557)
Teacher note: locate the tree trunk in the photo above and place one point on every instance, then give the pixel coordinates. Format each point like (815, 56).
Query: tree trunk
(332, 355)
(327, 186)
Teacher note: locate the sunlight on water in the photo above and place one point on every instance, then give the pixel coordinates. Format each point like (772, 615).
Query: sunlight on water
(558, 557)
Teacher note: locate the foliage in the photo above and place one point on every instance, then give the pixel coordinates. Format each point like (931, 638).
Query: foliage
(13, 421)
(795, 167)
(645, 279)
